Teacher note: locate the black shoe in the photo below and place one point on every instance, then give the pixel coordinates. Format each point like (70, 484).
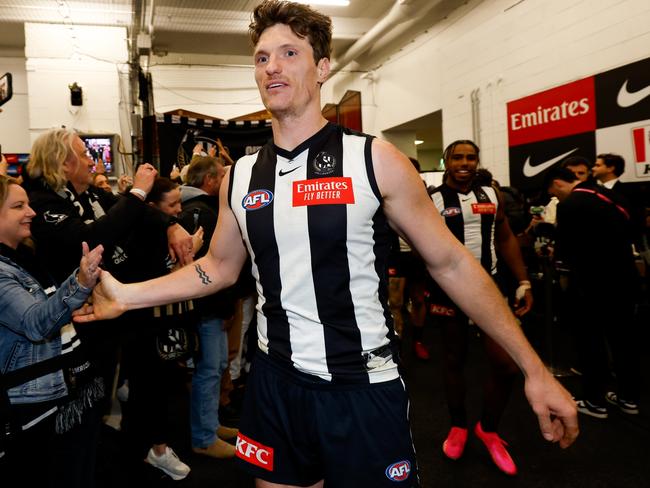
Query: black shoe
(628, 407)
(588, 408)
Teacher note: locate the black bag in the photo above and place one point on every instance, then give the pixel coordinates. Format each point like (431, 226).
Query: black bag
(9, 427)
(176, 343)
(176, 338)
(7, 424)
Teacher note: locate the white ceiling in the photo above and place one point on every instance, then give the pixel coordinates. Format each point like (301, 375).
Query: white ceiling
(365, 33)
(210, 26)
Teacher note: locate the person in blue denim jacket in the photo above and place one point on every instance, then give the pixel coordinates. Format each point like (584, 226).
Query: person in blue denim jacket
(35, 330)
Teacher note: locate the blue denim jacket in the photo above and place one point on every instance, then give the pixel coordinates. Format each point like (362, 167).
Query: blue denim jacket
(29, 328)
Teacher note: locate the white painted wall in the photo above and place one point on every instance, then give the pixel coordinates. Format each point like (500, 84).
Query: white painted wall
(507, 50)
(95, 58)
(14, 118)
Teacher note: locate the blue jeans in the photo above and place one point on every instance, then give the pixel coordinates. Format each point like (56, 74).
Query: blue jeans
(206, 381)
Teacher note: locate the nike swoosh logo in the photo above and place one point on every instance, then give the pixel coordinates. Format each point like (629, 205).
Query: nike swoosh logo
(282, 173)
(627, 99)
(530, 171)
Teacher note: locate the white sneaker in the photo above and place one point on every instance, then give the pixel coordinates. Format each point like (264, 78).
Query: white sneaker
(123, 392)
(169, 463)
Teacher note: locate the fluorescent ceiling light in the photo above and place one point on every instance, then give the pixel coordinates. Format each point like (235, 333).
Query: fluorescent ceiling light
(331, 3)
(418, 142)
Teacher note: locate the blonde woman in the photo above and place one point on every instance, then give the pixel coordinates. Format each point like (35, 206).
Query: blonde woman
(37, 343)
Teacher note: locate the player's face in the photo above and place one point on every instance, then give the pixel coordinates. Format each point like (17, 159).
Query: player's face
(15, 217)
(78, 166)
(285, 72)
(170, 203)
(580, 170)
(462, 164)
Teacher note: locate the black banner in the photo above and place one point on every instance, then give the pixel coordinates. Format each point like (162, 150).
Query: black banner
(623, 94)
(529, 162)
(177, 136)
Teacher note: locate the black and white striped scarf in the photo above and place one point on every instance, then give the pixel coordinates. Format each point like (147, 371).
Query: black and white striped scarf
(87, 204)
(84, 387)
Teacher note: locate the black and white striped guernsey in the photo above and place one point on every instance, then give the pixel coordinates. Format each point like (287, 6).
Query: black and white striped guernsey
(471, 217)
(312, 221)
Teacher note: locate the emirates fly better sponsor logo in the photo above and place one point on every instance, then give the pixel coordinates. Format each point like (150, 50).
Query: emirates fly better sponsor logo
(323, 191)
(484, 208)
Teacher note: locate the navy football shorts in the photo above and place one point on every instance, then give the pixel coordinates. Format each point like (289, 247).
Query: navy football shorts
(298, 429)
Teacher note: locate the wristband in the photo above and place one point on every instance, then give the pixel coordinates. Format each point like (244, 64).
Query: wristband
(139, 193)
(520, 292)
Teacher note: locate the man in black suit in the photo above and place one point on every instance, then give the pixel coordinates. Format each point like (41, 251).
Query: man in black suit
(607, 171)
(593, 237)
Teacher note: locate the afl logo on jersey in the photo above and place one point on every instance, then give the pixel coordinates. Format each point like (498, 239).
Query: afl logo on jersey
(324, 164)
(257, 199)
(398, 471)
(451, 212)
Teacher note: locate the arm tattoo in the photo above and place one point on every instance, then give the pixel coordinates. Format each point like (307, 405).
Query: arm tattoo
(204, 277)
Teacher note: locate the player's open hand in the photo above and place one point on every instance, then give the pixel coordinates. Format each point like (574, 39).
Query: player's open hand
(105, 302)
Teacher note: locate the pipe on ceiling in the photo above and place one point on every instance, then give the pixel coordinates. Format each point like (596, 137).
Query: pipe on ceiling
(402, 15)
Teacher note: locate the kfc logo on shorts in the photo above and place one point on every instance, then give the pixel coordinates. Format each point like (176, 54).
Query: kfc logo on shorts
(257, 199)
(442, 310)
(451, 212)
(254, 452)
(398, 471)
(484, 208)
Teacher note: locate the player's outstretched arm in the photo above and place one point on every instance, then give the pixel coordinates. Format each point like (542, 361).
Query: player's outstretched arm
(413, 215)
(216, 270)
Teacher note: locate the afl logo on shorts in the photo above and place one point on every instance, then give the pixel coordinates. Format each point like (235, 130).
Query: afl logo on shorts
(398, 471)
(451, 212)
(257, 199)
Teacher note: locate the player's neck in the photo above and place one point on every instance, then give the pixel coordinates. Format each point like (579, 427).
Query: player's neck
(463, 187)
(289, 131)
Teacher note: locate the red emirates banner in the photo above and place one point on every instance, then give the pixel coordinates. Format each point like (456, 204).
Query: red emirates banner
(558, 112)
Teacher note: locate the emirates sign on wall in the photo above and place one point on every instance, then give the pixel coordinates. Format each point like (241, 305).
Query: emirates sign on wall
(608, 112)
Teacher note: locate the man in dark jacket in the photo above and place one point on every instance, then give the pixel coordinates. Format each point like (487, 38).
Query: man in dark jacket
(200, 200)
(70, 210)
(608, 170)
(593, 238)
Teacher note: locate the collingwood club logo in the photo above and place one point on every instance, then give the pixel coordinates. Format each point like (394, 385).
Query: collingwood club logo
(324, 164)
(53, 218)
